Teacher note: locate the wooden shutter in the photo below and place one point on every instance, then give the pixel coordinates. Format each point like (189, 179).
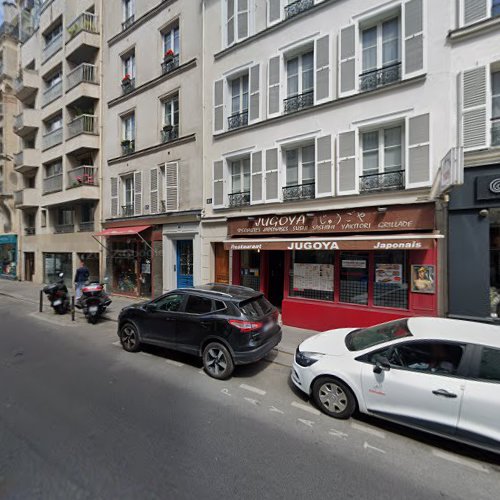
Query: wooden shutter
(347, 174)
(172, 186)
(474, 11)
(322, 52)
(114, 196)
(256, 178)
(153, 202)
(138, 193)
(474, 102)
(413, 36)
(418, 155)
(218, 197)
(274, 85)
(324, 170)
(347, 60)
(273, 11)
(219, 106)
(272, 186)
(254, 111)
(230, 21)
(242, 19)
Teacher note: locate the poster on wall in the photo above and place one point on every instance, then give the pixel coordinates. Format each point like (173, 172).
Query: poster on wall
(313, 277)
(389, 273)
(423, 279)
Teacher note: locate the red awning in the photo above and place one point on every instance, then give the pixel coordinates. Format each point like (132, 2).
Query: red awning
(122, 231)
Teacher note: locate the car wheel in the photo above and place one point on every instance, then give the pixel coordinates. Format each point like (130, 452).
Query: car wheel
(217, 361)
(333, 397)
(129, 338)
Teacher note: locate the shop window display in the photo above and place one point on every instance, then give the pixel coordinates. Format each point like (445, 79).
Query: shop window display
(124, 268)
(391, 284)
(55, 263)
(354, 278)
(312, 275)
(8, 256)
(250, 269)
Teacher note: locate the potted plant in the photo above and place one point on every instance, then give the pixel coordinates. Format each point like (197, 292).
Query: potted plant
(168, 56)
(72, 30)
(167, 128)
(126, 80)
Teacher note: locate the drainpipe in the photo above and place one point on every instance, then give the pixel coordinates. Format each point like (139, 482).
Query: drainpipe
(102, 264)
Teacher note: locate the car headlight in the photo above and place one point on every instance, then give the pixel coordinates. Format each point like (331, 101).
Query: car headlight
(304, 358)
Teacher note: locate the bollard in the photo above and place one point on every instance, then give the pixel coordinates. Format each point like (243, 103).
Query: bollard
(72, 308)
(40, 309)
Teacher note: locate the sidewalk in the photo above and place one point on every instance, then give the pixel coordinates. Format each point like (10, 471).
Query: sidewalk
(28, 292)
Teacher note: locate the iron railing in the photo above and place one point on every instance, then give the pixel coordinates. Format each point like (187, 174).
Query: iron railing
(52, 139)
(495, 132)
(83, 176)
(64, 228)
(128, 85)
(382, 182)
(84, 22)
(298, 102)
(380, 77)
(53, 184)
(169, 133)
(52, 47)
(83, 73)
(237, 120)
(299, 192)
(297, 7)
(83, 124)
(128, 210)
(169, 64)
(239, 199)
(128, 147)
(86, 227)
(128, 22)
(29, 231)
(52, 93)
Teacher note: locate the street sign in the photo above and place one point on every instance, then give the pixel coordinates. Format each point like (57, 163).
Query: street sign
(452, 170)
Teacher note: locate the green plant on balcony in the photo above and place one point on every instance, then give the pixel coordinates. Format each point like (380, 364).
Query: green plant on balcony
(73, 30)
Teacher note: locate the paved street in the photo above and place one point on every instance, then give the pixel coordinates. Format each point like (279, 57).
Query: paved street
(81, 418)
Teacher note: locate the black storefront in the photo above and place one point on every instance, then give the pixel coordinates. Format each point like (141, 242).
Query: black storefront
(474, 246)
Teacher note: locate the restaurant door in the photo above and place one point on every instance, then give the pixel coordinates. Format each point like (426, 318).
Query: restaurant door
(221, 264)
(276, 277)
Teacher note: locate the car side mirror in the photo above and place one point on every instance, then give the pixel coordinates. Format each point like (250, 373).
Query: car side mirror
(152, 307)
(381, 365)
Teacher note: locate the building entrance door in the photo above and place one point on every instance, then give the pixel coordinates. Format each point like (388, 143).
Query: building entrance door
(184, 263)
(276, 277)
(29, 266)
(221, 264)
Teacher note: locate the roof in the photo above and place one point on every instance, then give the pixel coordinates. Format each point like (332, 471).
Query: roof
(223, 291)
(455, 330)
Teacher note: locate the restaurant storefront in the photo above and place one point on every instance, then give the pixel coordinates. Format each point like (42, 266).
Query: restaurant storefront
(8, 256)
(340, 268)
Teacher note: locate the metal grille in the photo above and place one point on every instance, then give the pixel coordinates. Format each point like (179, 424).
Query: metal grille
(237, 120)
(392, 289)
(128, 84)
(127, 210)
(128, 147)
(380, 77)
(169, 64)
(298, 102)
(295, 8)
(354, 292)
(169, 133)
(385, 295)
(239, 199)
(309, 293)
(382, 182)
(354, 278)
(299, 192)
(251, 281)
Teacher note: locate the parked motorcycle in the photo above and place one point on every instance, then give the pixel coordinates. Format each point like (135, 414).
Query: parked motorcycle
(58, 295)
(94, 301)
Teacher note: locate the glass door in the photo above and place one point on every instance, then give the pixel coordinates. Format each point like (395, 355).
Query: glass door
(184, 263)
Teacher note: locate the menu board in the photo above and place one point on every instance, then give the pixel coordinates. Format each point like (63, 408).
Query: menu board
(389, 273)
(313, 277)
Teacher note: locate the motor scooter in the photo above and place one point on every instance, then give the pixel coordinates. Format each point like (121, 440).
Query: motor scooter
(58, 295)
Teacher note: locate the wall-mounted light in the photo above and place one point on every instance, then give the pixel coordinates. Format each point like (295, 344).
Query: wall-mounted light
(381, 209)
(484, 212)
(250, 218)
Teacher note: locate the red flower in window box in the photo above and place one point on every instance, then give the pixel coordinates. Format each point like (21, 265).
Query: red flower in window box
(126, 78)
(169, 55)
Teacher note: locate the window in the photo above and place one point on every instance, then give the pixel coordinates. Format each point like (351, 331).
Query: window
(495, 104)
(495, 8)
(250, 269)
(489, 368)
(87, 213)
(380, 45)
(390, 288)
(300, 165)
(358, 340)
(239, 96)
(312, 274)
(55, 263)
(55, 33)
(198, 305)
(382, 150)
(171, 112)
(236, 20)
(171, 41)
(354, 278)
(170, 303)
(128, 63)
(54, 80)
(53, 169)
(240, 175)
(54, 124)
(300, 74)
(128, 190)
(128, 12)
(65, 217)
(128, 127)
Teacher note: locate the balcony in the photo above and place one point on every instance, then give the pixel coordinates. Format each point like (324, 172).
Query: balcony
(387, 181)
(169, 133)
(237, 120)
(52, 93)
(495, 132)
(26, 198)
(128, 84)
(298, 102)
(26, 84)
(299, 192)
(128, 147)
(26, 160)
(239, 199)
(52, 139)
(380, 77)
(52, 47)
(86, 227)
(83, 124)
(30, 231)
(128, 210)
(295, 8)
(83, 176)
(84, 22)
(128, 22)
(85, 73)
(169, 64)
(64, 228)
(26, 122)
(53, 184)
(83, 38)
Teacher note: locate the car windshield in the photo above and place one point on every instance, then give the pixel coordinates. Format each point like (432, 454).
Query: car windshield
(368, 337)
(256, 307)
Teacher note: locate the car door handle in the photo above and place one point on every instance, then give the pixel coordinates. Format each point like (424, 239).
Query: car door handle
(444, 393)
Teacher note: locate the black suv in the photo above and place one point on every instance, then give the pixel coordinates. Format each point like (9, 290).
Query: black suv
(226, 325)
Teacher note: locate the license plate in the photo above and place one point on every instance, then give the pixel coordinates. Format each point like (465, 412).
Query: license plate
(57, 302)
(93, 309)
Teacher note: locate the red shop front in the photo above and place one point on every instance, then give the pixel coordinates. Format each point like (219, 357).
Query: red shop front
(343, 268)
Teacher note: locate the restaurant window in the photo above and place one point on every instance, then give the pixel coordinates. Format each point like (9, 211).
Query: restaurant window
(312, 275)
(354, 277)
(250, 269)
(391, 285)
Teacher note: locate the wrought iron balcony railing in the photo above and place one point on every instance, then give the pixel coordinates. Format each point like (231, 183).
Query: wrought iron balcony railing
(128, 84)
(128, 22)
(128, 210)
(169, 64)
(86, 227)
(128, 147)
(495, 132)
(382, 182)
(298, 102)
(239, 199)
(380, 77)
(237, 120)
(169, 133)
(295, 8)
(64, 228)
(299, 192)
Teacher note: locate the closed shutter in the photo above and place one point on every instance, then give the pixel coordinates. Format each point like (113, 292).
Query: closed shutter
(347, 175)
(474, 10)
(272, 186)
(114, 196)
(138, 193)
(474, 101)
(219, 106)
(218, 185)
(322, 90)
(172, 186)
(153, 203)
(254, 113)
(242, 19)
(256, 178)
(274, 85)
(413, 36)
(418, 172)
(273, 11)
(324, 170)
(347, 60)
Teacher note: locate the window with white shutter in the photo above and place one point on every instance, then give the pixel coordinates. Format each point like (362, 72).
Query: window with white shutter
(322, 54)
(114, 196)
(273, 97)
(474, 11)
(272, 177)
(237, 20)
(324, 167)
(418, 172)
(495, 108)
(239, 171)
(219, 106)
(238, 88)
(254, 93)
(172, 186)
(413, 22)
(300, 172)
(273, 11)
(153, 202)
(347, 170)
(138, 193)
(474, 99)
(299, 81)
(347, 61)
(218, 196)
(256, 186)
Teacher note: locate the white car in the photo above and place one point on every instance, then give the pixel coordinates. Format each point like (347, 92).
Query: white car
(438, 375)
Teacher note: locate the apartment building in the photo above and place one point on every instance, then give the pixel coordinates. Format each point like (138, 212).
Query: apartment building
(153, 145)
(59, 160)
(474, 208)
(326, 125)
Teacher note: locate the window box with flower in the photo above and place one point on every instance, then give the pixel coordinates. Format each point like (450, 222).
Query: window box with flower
(128, 83)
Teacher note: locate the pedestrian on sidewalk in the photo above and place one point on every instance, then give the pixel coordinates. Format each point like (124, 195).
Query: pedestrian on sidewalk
(81, 277)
